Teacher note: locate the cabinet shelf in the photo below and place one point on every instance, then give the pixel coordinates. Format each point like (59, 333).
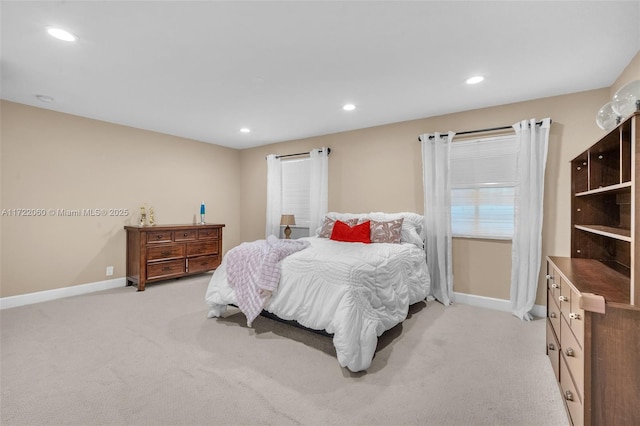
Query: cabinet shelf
(607, 231)
(605, 201)
(606, 189)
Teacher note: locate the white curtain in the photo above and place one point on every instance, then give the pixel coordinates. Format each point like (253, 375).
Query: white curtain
(319, 188)
(526, 250)
(436, 178)
(274, 196)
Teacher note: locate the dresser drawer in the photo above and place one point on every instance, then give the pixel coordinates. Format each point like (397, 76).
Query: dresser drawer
(203, 263)
(569, 307)
(569, 394)
(209, 233)
(566, 295)
(158, 252)
(576, 319)
(553, 284)
(160, 237)
(165, 269)
(200, 248)
(574, 357)
(553, 311)
(187, 235)
(553, 350)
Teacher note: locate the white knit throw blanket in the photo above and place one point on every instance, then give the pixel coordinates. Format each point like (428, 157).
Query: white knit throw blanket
(253, 271)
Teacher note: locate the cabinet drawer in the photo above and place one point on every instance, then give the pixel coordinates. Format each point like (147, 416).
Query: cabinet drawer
(203, 263)
(202, 247)
(158, 252)
(553, 284)
(187, 235)
(566, 295)
(573, 403)
(574, 357)
(160, 237)
(165, 269)
(576, 319)
(569, 307)
(553, 350)
(553, 311)
(209, 233)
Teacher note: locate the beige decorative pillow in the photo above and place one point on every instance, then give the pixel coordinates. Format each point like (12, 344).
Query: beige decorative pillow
(386, 232)
(327, 226)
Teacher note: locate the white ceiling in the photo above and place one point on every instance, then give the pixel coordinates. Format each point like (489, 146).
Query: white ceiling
(202, 70)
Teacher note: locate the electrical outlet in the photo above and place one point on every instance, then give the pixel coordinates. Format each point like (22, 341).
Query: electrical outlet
(109, 271)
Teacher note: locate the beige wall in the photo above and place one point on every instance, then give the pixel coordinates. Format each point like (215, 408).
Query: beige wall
(379, 169)
(631, 73)
(52, 160)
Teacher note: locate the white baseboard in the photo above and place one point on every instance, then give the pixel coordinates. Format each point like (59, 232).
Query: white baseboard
(59, 293)
(496, 304)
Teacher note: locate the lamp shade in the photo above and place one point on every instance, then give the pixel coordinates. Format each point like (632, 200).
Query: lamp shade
(287, 219)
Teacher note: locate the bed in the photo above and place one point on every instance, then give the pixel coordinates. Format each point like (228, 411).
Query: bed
(352, 290)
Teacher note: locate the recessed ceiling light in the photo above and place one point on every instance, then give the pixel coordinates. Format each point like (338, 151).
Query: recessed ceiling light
(44, 98)
(245, 130)
(475, 79)
(349, 107)
(61, 34)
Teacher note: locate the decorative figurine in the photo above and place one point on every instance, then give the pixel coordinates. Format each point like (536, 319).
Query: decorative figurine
(152, 219)
(143, 216)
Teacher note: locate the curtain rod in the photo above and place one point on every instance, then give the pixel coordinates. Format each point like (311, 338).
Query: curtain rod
(299, 153)
(491, 129)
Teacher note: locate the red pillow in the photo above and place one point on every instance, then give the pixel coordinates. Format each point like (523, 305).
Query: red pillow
(358, 234)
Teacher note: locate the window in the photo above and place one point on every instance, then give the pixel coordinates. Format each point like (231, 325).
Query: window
(483, 180)
(295, 190)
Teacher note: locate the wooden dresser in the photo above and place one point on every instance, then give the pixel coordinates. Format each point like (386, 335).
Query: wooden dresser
(593, 343)
(593, 302)
(156, 253)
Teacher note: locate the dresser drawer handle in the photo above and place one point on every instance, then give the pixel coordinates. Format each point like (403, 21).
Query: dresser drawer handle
(554, 285)
(574, 316)
(166, 268)
(569, 352)
(166, 253)
(568, 395)
(552, 315)
(548, 276)
(158, 236)
(563, 298)
(552, 347)
(185, 234)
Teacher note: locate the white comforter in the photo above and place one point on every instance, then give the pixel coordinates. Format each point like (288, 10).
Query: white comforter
(354, 291)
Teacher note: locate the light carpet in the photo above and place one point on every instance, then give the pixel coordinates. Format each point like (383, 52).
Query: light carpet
(121, 357)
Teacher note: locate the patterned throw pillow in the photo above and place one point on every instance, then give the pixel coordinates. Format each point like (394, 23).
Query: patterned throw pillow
(327, 226)
(386, 232)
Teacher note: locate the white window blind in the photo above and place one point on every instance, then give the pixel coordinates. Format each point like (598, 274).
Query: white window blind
(483, 180)
(295, 189)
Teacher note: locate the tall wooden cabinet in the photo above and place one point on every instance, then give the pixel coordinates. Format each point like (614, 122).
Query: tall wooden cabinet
(593, 297)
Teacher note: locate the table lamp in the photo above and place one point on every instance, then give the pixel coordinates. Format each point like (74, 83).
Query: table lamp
(287, 219)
